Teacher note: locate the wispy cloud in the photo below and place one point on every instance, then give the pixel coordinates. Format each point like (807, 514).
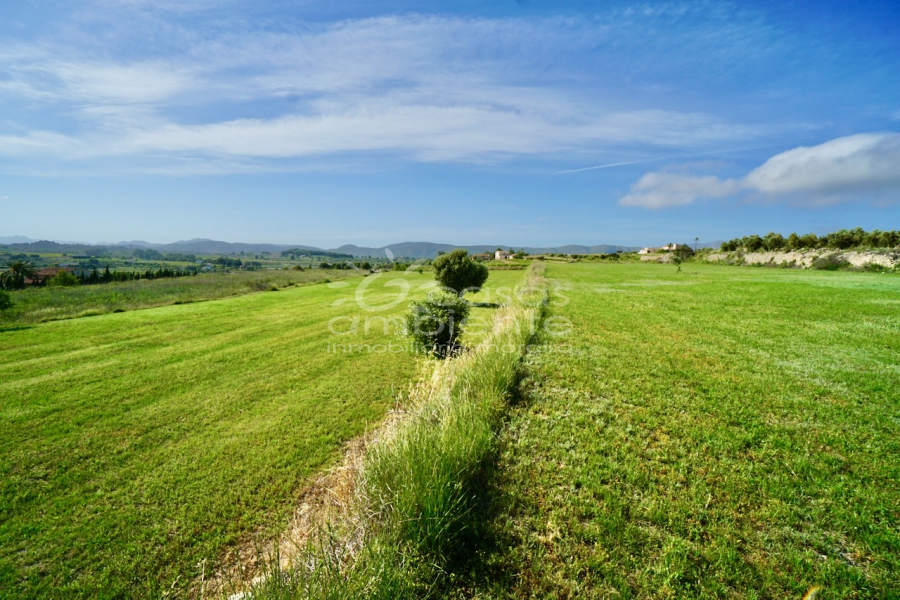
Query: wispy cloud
(863, 166)
(662, 190)
(424, 87)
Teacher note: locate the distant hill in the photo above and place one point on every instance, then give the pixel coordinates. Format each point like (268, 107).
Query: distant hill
(15, 239)
(136, 244)
(575, 249)
(198, 246)
(204, 246)
(414, 250)
(405, 249)
(713, 245)
(430, 249)
(48, 246)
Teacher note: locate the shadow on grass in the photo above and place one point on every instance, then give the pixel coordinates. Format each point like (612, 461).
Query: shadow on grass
(485, 304)
(6, 327)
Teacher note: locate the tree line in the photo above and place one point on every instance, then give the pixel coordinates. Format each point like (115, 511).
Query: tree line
(19, 272)
(843, 239)
(295, 252)
(364, 265)
(151, 254)
(107, 276)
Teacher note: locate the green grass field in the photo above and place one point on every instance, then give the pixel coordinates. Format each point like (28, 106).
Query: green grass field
(136, 445)
(40, 304)
(721, 432)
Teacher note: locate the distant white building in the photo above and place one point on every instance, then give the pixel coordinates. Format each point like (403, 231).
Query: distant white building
(502, 255)
(666, 248)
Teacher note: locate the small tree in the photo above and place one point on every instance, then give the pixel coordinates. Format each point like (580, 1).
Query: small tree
(63, 279)
(437, 322)
(684, 252)
(681, 254)
(5, 300)
(457, 272)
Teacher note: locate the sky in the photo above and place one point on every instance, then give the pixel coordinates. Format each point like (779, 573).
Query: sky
(524, 123)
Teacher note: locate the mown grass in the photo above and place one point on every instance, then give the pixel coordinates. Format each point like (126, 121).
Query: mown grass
(420, 492)
(713, 433)
(135, 446)
(40, 304)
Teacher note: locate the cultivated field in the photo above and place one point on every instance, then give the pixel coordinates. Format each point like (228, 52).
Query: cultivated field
(721, 432)
(40, 304)
(137, 445)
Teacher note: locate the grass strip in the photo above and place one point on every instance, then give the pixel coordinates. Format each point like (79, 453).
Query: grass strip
(42, 304)
(421, 484)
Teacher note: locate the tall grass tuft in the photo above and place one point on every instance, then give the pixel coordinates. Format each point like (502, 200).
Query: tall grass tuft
(419, 487)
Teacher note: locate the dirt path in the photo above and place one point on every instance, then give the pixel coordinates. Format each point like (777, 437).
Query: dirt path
(328, 497)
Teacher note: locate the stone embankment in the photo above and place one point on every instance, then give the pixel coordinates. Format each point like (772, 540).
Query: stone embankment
(805, 259)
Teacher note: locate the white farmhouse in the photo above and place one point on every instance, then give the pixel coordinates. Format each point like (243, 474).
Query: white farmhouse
(502, 255)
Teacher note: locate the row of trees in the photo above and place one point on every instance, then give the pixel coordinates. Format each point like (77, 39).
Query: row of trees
(18, 272)
(363, 265)
(295, 252)
(151, 254)
(233, 263)
(844, 239)
(107, 276)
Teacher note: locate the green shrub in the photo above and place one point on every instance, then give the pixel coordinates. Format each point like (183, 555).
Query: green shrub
(437, 322)
(64, 279)
(830, 262)
(423, 487)
(456, 271)
(5, 300)
(874, 268)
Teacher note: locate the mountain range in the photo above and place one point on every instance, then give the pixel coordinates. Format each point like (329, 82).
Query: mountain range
(414, 250)
(15, 239)
(430, 249)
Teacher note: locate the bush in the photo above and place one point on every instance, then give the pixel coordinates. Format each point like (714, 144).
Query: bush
(830, 262)
(437, 322)
(457, 272)
(5, 300)
(64, 279)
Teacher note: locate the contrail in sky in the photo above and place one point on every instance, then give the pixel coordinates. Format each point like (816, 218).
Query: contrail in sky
(650, 160)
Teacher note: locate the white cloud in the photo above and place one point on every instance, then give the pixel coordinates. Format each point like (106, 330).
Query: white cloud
(864, 166)
(37, 142)
(661, 190)
(428, 88)
(857, 163)
(426, 132)
(121, 83)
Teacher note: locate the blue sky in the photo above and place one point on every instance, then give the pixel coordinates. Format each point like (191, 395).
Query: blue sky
(522, 123)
